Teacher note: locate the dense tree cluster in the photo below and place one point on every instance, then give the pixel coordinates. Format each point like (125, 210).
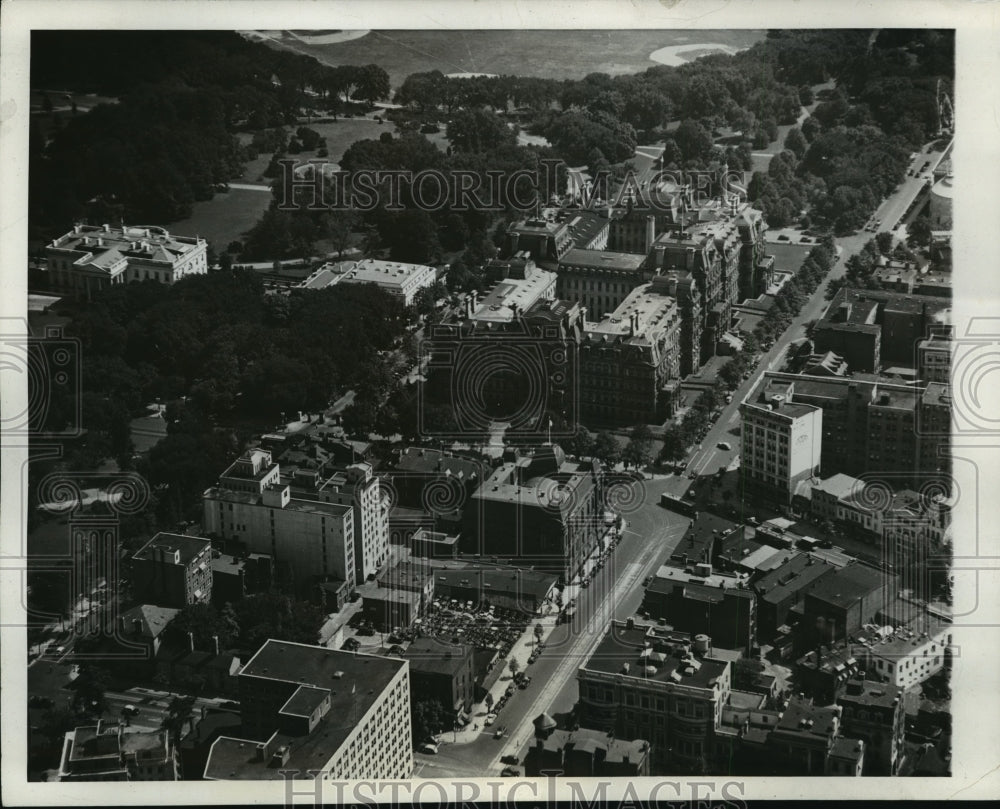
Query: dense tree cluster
(187, 93)
(793, 295)
(853, 150)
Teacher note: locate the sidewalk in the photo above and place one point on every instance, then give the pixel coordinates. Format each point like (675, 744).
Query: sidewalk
(521, 650)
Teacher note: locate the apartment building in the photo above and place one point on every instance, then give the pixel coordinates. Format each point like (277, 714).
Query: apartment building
(357, 486)
(91, 258)
(251, 505)
(173, 570)
(309, 709)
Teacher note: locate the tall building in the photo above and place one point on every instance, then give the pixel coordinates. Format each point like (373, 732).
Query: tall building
(645, 682)
(311, 537)
(173, 570)
(111, 752)
(309, 709)
(443, 672)
(356, 485)
(871, 425)
(539, 510)
(90, 258)
(517, 285)
(630, 360)
(781, 442)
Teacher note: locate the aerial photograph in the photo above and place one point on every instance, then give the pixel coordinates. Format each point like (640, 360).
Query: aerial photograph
(424, 404)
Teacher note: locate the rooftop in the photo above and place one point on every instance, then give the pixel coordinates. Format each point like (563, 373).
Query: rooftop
(305, 700)
(510, 294)
(883, 695)
(392, 273)
(652, 660)
(802, 716)
(433, 461)
(785, 581)
(649, 309)
(602, 260)
(355, 682)
(838, 485)
(188, 547)
(617, 751)
(529, 583)
(847, 585)
(152, 620)
(435, 656)
(104, 248)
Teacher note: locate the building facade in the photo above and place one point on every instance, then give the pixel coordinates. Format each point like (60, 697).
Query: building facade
(174, 570)
(90, 258)
(875, 713)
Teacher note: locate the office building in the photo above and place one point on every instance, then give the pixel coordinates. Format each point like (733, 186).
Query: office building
(599, 280)
(539, 510)
(630, 360)
(308, 709)
(90, 258)
(645, 682)
(843, 601)
(781, 442)
(517, 284)
(173, 570)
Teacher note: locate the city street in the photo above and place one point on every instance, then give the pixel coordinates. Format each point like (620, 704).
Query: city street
(616, 591)
(709, 458)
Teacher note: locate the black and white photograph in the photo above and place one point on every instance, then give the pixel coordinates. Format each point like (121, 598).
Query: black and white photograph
(556, 403)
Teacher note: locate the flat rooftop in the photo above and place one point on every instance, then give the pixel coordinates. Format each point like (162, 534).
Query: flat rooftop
(498, 304)
(355, 681)
(790, 578)
(188, 546)
(434, 656)
(373, 271)
(616, 751)
(621, 646)
(651, 308)
(846, 585)
(601, 260)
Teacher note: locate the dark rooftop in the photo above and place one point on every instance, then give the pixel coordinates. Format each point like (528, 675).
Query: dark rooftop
(846, 585)
(883, 695)
(790, 578)
(798, 713)
(435, 656)
(508, 581)
(305, 700)
(602, 259)
(587, 739)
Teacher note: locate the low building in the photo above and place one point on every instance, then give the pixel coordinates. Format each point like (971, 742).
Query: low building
(399, 279)
(781, 589)
(804, 738)
(843, 601)
(144, 625)
(517, 285)
(507, 588)
(90, 258)
(644, 682)
(586, 753)
(912, 654)
(308, 709)
(719, 606)
(111, 752)
(173, 570)
(390, 610)
(875, 713)
(410, 577)
(443, 672)
(434, 544)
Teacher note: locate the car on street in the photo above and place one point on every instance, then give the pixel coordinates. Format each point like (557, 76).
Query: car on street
(725, 445)
(429, 748)
(130, 710)
(510, 772)
(489, 720)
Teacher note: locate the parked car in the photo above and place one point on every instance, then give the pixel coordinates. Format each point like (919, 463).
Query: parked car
(725, 445)
(489, 720)
(510, 772)
(429, 748)
(130, 710)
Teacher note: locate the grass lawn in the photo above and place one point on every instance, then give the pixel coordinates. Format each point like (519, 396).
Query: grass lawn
(225, 218)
